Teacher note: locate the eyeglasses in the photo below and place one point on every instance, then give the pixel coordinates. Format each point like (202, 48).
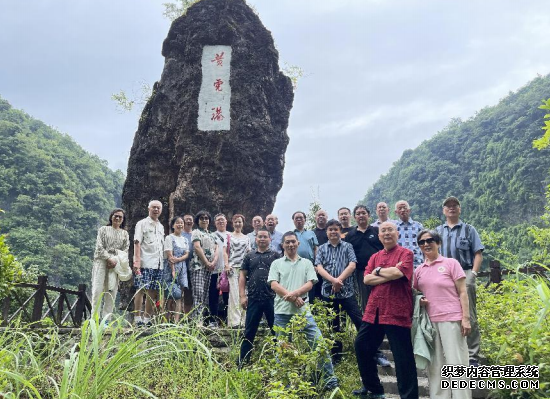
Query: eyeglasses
(426, 241)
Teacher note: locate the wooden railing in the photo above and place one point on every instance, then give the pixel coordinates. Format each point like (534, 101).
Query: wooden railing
(496, 272)
(39, 305)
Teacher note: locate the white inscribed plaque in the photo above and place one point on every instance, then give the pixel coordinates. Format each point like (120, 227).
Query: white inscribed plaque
(215, 93)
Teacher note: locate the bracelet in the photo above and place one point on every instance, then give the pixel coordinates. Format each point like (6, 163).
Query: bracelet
(474, 273)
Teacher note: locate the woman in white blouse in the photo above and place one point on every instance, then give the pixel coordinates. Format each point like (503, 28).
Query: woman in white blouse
(240, 245)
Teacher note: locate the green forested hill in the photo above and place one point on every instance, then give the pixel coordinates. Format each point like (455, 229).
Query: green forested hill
(487, 161)
(54, 194)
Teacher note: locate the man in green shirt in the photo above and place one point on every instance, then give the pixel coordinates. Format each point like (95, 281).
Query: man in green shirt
(291, 278)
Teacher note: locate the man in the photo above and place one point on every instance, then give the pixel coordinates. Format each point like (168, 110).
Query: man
(344, 216)
(388, 312)
(148, 262)
(307, 242)
(320, 231)
(223, 242)
(257, 224)
(259, 301)
(187, 229)
(383, 213)
(335, 262)
(292, 277)
(271, 222)
(408, 230)
(461, 241)
(365, 242)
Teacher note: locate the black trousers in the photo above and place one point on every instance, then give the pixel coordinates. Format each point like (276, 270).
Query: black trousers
(368, 340)
(254, 311)
(351, 307)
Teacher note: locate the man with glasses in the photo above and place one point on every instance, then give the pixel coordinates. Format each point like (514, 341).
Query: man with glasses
(307, 243)
(408, 230)
(461, 241)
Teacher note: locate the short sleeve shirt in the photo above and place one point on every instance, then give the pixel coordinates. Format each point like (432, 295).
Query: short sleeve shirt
(321, 235)
(437, 283)
(365, 244)
(252, 238)
(238, 249)
(257, 265)
(392, 300)
(276, 241)
(335, 259)
(181, 242)
(378, 222)
(150, 235)
(460, 242)
(308, 241)
(408, 231)
(291, 275)
(222, 239)
(207, 242)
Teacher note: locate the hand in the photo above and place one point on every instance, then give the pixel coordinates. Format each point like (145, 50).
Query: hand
(465, 327)
(244, 302)
(211, 266)
(172, 259)
(227, 268)
(290, 296)
(174, 274)
(299, 302)
(424, 302)
(337, 285)
(111, 263)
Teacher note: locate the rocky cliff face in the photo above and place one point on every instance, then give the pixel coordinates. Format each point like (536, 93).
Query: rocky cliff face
(210, 138)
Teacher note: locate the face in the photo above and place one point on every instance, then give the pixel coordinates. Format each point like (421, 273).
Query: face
(428, 246)
(299, 221)
(290, 245)
(257, 222)
(361, 216)
(155, 209)
(344, 216)
(204, 221)
(117, 219)
(451, 210)
(221, 223)
(402, 210)
(188, 221)
(238, 224)
(271, 222)
(321, 218)
(388, 234)
(333, 233)
(263, 240)
(382, 210)
(178, 226)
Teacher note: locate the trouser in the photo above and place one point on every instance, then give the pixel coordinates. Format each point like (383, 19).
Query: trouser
(100, 285)
(313, 334)
(350, 306)
(474, 338)
(368, 340)
(213, 299)
(255, 309)
(235, 314)
(200, 282)
(363, 291)
(449, 348)
(315, 292)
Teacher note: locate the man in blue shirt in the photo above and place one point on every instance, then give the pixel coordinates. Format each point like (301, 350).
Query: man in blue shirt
(308, 242)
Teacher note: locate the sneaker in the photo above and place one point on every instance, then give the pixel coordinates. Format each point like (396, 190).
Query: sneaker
(149, 323)
(360, 392)
(363, 393)
(382, 361)
(331, 386)
(474, 363)
(140, 324)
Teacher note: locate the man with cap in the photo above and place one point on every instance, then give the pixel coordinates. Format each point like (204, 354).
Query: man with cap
(461, 241)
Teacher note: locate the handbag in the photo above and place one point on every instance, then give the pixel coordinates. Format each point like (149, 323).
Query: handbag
(223, 282)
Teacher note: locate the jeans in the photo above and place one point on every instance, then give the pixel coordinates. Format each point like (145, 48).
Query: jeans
(368, 340)
(255, 309)
(313, 334)
(350, 306)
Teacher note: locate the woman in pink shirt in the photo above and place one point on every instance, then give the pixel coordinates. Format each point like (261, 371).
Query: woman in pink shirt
(443, 285)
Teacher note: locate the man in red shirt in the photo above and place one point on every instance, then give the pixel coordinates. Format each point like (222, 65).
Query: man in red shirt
(388, 312)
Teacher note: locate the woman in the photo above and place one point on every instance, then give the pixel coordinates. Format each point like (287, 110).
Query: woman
(240, 245)
(176, 252)
(203, 263)
(443, 285)
(110, 239)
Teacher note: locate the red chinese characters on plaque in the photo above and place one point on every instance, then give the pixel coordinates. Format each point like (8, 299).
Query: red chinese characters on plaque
(215, 92)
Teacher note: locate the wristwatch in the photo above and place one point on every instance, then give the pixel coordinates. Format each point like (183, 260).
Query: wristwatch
(377, 270)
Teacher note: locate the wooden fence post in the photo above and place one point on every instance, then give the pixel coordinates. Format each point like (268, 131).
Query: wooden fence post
(496, 272)
(80, 305)
(39, 297)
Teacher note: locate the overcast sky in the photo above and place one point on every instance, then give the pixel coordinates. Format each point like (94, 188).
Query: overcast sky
(381, 75)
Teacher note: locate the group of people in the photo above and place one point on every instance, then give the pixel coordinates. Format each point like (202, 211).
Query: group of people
(368, 271)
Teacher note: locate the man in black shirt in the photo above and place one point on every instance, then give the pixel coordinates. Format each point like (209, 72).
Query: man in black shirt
(321, 219)
(254, 271)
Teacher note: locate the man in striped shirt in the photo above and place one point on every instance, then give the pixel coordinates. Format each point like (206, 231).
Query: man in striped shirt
(335, 262)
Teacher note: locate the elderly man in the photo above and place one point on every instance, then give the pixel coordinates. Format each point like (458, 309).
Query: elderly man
(307, 243)
(383, 213)
(257, 224)
(388, 312)
(461, 241)
(271, 222)
(344, 216)
(408, 230)
(321, 218)
(291, 277)
(148, 262)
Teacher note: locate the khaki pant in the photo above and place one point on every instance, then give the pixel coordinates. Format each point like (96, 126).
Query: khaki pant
(100, 283)
(474, 338)
(235, 314)
(450, 349)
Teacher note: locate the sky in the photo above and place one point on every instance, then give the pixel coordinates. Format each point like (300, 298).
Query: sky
(380, 76)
